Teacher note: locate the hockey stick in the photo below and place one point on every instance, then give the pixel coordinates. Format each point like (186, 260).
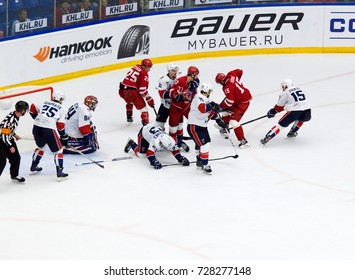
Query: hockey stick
(259, 118)
(85, 156)
(229, 137)
(229, 128)
(155, 111)
(194, 161)
(101, 161)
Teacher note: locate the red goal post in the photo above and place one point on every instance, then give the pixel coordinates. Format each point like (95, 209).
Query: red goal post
(9, 97)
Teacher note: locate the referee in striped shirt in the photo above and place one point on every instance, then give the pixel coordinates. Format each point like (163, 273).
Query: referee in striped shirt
(8, 147)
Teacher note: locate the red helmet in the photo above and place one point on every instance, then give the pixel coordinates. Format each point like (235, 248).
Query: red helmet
(220, 77)
(192, 70)
(147, 62)
(91, 101)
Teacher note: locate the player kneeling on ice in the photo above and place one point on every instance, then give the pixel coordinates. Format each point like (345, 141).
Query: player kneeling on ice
(293, 100)
(152, 139)
(79, 127)
(201, 111)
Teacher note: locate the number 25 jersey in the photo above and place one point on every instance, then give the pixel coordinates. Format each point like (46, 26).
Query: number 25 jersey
(50, 114)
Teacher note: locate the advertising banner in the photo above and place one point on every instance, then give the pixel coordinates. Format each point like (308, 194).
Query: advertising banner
(161, 4)
(106, 44)
(339, 26)
(209, 2)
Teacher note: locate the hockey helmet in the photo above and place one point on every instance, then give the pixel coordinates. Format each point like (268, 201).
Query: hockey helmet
(206, 88)
(21, 105)
(91, 101)
(167, 142)
(172, 66)
(192, 70)
(287, 83)
(220, 78)
(58, 96)
(147, 63)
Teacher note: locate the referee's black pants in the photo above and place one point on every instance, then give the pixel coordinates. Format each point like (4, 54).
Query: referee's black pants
(14, 158)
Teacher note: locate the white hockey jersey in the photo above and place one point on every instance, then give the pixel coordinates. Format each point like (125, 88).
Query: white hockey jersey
(164, 84)
(293, 99)
(49, 113)
(198, 115)
(152, 134)
(78, 121)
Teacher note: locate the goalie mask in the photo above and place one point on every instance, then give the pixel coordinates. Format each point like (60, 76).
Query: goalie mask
(167, 142)
(91, 101)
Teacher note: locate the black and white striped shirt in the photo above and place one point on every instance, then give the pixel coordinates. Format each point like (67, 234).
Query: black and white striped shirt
(8, 127)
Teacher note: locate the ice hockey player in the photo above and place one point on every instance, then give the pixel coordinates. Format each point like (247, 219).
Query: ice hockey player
(134, 90)
(293, 100)
(164, 86)
(49, 121)
(80, 128)
(200, 113)
(152, 139)
(8, 147)
(181, 94)
(236, 101)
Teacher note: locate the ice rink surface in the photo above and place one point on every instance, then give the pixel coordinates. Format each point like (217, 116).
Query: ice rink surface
(291, 199)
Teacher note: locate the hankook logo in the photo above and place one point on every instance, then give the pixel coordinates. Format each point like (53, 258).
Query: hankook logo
(48, 52)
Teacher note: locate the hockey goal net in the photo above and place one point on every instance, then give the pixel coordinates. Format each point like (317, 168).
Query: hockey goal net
(9, 97)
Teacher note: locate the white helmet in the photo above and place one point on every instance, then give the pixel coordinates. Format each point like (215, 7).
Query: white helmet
(287, 83)
(207, 89)
(172, 66)
(58, 96)
(167, 142)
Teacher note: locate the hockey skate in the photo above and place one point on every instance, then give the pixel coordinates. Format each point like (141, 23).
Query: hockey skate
(129, 118)
(128, 145)
(61, 176)
(198, 163)
(244, 144)
(34, 168)
(265, 140)
(18, 179)
(206, 169)
(185, 147)
(292, 134)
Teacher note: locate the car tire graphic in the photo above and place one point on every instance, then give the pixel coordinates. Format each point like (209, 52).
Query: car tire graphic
(135, 41)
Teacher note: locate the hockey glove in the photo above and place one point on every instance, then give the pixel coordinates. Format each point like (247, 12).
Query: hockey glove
(64, 139)
(183, 160)
(271, 113)
(194, 85)
(187, 96)
(215, 106)
(221, 123)
(150, 101)
(156, 164)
